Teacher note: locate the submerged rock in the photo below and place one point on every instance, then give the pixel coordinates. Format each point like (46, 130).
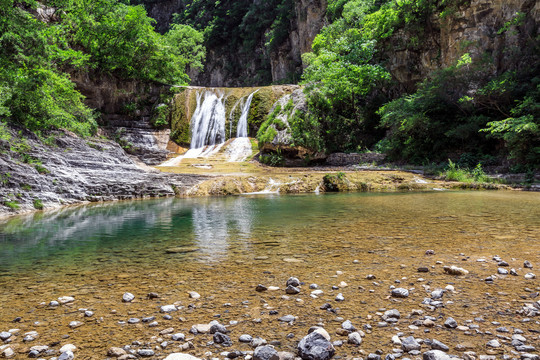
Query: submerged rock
(315, 346)
(454, 270)
(265, 353)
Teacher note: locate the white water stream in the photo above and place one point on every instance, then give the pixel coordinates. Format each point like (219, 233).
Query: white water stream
(208, 129)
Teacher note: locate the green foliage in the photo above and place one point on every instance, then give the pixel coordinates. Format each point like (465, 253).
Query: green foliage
(335, 182)
(273, 159)
(447, 112)
(38, 204)
(455, 173)
(109, 36)
(521, 132)
(12, 204)
(160, 116)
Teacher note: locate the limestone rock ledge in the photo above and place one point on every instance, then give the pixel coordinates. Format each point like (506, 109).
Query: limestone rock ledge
(75, 170)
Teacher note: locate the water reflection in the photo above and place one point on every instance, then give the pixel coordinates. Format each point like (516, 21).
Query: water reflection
(106, 228)
(240, 228)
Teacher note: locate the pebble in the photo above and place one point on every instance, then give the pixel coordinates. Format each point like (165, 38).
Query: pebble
(409, 344)
(68, 347)
(437, 345)
(222, 339)
(180, 356)
(128, 297)
(134, 321)
(400, 293)
(260, 288)
(493, 343)
(315, 346)
(292, 290)
(450, 323)
(245, 338)
(287, 318)
(88, 313)
(354, 338)
(4, 335)
(194, 295)
(265, 353)
(454, 270)
(8, 353)
(435, 355)
(527, 264)
(168, 308)
(340, 297)
(292, 281)
(75, 324)
(54, 303)
(66, 299)
(178, 337)
(116, 352)
(502, 271)
(348, 326)
(67, 355)
(146, 352)
(530, 276)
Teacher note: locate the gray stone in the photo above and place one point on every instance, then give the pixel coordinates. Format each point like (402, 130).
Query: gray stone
(493, 343)
(128, 297)
(67, 355)
(347, 325)
(450, 323)
(435, 355)
(354, 338)
(400, 293)
(391, 314)
(256, 342)
(437, 345)
(222, 339)
(178, 337)
(292, 281)
(265, 353)
(502, 271)
(245, 338)
(437, 294)
(527, 264)
(218, 328)
(315, 346)
(4, 335)
(287, 318)
(340, 297)
(146, 352)
(292, 290)
(134, 321)
(180, 356)
(409, 344)
(261, 288)
(168, 308)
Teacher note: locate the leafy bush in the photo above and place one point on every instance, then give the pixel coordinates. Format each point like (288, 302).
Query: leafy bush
(273, 159)
(455, 173)
(38, 204)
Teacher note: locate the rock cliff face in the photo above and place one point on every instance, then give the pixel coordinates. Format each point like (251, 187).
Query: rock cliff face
(471, 28)
(227, 67)
(76, 170)
(309, 20)
(131, 112)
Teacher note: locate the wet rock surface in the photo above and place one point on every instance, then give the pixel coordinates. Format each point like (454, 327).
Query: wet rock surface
(76, 170)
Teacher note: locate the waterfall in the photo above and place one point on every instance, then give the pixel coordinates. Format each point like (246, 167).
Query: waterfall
(208, 131)
(208, 121)
(241, 129)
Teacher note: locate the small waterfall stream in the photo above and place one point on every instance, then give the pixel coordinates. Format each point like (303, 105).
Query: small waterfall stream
(208, 128)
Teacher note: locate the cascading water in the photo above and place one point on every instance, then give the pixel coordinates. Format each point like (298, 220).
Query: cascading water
(208, 121)
(208, 128)
(241, 130)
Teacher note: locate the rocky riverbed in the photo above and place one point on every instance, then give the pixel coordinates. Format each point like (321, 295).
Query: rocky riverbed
(431, 306)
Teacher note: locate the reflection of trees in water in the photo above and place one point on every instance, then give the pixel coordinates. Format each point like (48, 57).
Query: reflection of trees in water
(118, 227)
(217, 223)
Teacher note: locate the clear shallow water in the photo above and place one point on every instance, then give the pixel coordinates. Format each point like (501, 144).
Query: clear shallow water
(214, 229)
(224, 247)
